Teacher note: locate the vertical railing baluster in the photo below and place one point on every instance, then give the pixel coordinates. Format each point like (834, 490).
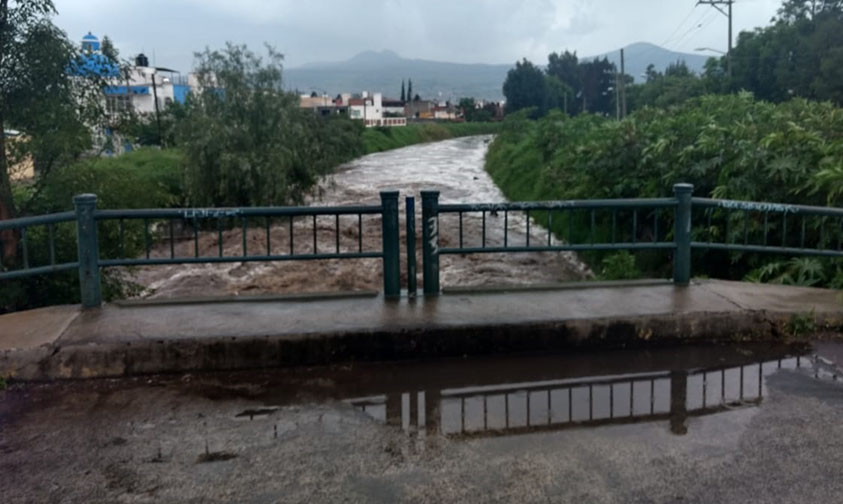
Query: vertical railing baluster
(590, 402)
(172, 240)
(292, 234)
(360, 233)
(412, 268)
(314, 235)
(822, 233)
(655, 225)
(591, 230)
(570, 226)
(652, 396)
(728, 226)
(709, 232)
(635, 225)
(614, 224)
(483, 231)
(746, 227)
(570, 404)
(549, 226)
(505, 227)
(802, 239)
(337, 231)
(195, 237)
(461, 230)
(219, 236)
(243, 234)
(25, 247)
(391, 244)
(87, 249)
(766, 226)
(51, 235)
(528, 228)
(784, 229)
(430, 242)
(122, 239)
(268, 239)
(146, 236)
(839, 233)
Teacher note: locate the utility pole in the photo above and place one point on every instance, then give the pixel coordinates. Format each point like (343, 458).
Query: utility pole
(623, 86)
(728, 13)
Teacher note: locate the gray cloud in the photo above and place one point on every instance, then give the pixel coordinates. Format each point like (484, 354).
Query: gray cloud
(487, 31)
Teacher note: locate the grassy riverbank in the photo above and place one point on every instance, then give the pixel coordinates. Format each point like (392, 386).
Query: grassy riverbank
(731, 147)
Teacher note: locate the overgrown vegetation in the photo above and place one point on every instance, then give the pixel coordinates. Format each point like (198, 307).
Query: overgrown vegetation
(730, 146)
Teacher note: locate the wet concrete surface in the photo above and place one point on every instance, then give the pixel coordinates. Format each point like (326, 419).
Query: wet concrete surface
(501, 429)
(454, 167)
(124, 340)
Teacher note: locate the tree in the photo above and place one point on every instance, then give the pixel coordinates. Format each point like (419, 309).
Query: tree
(525, 87)
(410, 89)
(247, 142)
(598, 78)
(566, 69)
(46, 92)
(108, 50)
(403, 93)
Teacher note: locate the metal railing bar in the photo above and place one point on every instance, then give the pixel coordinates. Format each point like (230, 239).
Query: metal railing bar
(767, 248)
(38, 270)
(564, 247)
(211, 259)
(548, 205)
(766, 207)
(212, 213)
(37, 220)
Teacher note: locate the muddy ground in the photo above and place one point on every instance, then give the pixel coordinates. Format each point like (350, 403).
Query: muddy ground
(301, 436)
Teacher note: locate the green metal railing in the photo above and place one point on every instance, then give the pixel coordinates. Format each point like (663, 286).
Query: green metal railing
(162, 224)
(677, 225)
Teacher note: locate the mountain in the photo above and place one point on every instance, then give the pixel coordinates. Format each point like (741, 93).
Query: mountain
(639, 55)
(383, 71)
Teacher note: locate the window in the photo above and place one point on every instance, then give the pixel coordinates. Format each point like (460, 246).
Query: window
(116, 104)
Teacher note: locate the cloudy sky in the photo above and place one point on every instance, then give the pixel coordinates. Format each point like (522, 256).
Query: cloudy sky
(468, 31)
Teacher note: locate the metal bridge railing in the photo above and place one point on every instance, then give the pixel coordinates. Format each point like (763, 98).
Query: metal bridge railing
(624, 222)
(158, 226)
(679, 224)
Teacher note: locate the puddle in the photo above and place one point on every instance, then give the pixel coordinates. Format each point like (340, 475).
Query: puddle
(514, 395)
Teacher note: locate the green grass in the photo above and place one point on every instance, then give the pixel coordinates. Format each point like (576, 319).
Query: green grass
(146, 178)
(383, 139)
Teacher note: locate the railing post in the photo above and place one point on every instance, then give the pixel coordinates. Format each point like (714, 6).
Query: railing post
(682, 234)
(88, 250)
(410, 206)
(430, 242)
(391, 244)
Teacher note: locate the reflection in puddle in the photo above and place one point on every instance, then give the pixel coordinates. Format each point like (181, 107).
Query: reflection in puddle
(521, 407)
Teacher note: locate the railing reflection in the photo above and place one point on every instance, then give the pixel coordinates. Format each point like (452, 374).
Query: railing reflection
(519, 408)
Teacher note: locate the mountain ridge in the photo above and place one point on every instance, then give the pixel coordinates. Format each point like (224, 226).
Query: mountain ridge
(384, 70)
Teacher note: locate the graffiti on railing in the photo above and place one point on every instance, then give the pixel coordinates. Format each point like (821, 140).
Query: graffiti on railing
(756, 207)
(210, 213)
(433, 229)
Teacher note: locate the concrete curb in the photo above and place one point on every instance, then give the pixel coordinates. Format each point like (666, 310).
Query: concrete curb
(238, 353)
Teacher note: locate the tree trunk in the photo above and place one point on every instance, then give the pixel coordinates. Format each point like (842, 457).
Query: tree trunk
(8, 238)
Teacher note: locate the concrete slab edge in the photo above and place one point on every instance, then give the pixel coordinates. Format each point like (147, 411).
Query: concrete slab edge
(391, 344)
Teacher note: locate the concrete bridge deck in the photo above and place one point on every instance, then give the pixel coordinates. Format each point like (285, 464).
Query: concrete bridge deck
(132, 338)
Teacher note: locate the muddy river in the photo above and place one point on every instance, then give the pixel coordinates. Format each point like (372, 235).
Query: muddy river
(454, 167)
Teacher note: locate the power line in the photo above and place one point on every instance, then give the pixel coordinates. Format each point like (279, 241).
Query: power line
(728, 13)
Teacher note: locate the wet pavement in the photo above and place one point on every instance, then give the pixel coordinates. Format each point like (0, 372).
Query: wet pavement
(454, 167)
(694, 424)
